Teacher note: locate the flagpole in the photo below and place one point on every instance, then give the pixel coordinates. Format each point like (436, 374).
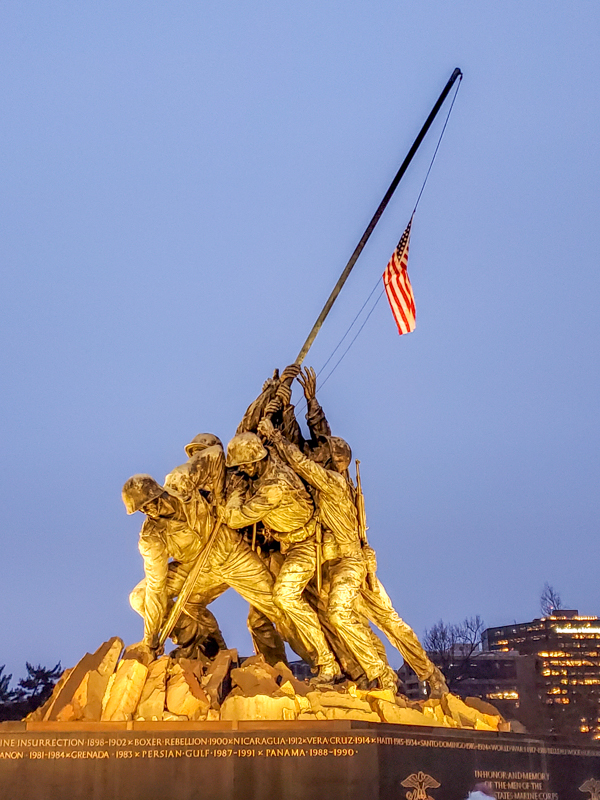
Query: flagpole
(370, 227)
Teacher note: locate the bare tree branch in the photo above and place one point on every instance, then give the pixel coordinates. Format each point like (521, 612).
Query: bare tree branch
(451, 646)
(550, 600)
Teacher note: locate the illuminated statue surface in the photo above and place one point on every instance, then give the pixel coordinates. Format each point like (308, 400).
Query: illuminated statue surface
(278, 519)
(289, 542)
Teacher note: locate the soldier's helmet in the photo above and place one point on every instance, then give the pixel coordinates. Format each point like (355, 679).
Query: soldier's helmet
(139, 490)
(341, 452)
(201, 442)
(245, 448)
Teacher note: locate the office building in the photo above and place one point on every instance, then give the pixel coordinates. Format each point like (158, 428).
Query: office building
(566, 649)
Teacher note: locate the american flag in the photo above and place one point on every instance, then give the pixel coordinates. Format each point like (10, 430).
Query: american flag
(398, 288)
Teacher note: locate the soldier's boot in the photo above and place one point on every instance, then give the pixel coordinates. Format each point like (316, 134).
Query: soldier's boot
(265, 638)
(185, 635)
(185, 632)
(437, 685)
(207, 624)
(191, 651)
(206, 648)
(362, 682)
(329, 672)
(193, 640)
(388, 680)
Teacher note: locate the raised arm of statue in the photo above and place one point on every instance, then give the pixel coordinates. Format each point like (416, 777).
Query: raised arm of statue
(315, 416)
(290, 428)
(207, 470)
(275, 402)
(256, 410)
(309, 470)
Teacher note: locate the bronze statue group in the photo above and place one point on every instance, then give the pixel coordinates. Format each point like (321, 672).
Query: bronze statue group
(276, 517)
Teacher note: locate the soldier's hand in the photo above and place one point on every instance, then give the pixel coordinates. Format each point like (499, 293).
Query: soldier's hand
(308, 381)
(370, 557)
(141, 652)
(235, 500)
(266, 429)
(273, 406)
(271, 381)
(289, 373)
(284, 393)
(146, 651)
(236, 482)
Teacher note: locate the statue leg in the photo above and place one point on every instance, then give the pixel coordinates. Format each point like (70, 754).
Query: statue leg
(137, 597)
(296, 571)
(207, 623)
(378, 608)
(350, 666)
(197, 627)
(273, 560)
(245, 572)
(176, 576)
(377, 643)
(265, 638)
(347, 576)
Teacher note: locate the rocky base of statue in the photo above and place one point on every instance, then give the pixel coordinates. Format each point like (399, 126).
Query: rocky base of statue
(115, 686)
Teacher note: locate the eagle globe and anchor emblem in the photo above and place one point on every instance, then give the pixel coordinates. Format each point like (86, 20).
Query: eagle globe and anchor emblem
(593, 787)
(420, 782)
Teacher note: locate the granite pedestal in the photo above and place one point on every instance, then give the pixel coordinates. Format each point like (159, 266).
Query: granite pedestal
(339, 760)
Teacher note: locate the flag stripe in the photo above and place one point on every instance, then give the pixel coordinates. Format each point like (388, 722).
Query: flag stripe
(410, 298)
(398, 306)
(398, 287)
(406, 292)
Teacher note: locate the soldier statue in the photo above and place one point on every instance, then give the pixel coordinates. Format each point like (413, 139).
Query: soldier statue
(172, 537)
(296, 494)
(281, 502)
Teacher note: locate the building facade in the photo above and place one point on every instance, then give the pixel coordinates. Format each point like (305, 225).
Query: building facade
(504, 679)
(544, 674)
(566, 650)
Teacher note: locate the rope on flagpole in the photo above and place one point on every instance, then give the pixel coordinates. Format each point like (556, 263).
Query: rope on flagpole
(437, 147)
(375, 219)
(339, 344)
(324, 381)
(435, 152)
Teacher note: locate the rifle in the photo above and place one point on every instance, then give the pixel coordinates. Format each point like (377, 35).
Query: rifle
(188, 586)
(319, 567)
(360, 508)
(362, 525)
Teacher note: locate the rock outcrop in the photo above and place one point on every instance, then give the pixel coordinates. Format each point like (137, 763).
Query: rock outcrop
(79, 693)
(102, 687)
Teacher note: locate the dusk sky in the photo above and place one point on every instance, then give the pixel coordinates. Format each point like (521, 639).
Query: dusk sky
(182, 184)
